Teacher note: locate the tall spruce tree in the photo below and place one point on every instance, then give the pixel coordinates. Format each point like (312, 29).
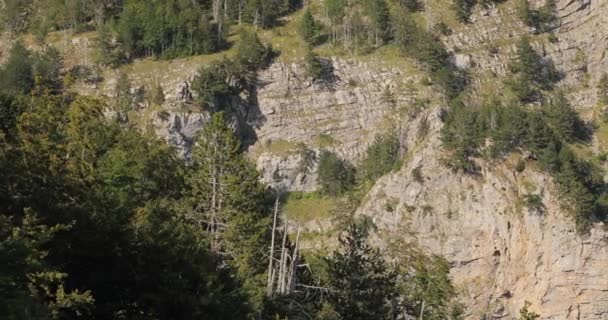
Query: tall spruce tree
(362, 285)
(227, 202)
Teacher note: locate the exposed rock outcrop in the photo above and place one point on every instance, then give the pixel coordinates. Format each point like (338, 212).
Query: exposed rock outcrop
(493, 242)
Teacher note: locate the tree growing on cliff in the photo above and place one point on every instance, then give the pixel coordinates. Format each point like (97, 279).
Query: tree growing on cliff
(336, 176)
(526, 314)
(362, 285)
(123, 97)
(226, 202)
(602, 89)
(309, 28)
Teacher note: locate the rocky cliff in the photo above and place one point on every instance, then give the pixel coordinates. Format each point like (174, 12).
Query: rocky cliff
(502, 252)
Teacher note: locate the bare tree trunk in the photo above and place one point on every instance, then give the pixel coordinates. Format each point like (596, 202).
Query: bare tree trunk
(283, 258)
(291, 284)
(270, 284)
(422, 310)
(215, 7)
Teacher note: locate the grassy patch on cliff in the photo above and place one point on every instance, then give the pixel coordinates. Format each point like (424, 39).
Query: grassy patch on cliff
(303, 207)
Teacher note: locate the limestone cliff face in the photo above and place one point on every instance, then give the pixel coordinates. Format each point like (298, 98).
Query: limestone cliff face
(502, 253)
(342, 114)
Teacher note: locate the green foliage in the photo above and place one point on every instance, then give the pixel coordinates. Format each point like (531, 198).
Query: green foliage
(534, 202)
(308, 158)
(562, 118)
(251, 53)
(29, 286)
(463, 8)
(123, 97)
(224, 80)
(25, 71)
(417, 174)
(336, 176)
(411, 5)
(63, 14)
(544, 133)
(109, 53)
(378, 11)
(16, 75)
(315, 67)
(541, 19)
(426, 280)
(359, 25)
(602, 89)
(118, 191)
(167, 29)
(525, 314)
(265, 13)
(381, 157)
(158, 95)
(211, 84)
(429, 51)
(530, 73)
(15, 15)
(309, 28)
(362, 285)
(224, 191)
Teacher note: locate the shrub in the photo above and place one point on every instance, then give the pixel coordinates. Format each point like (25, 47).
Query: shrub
(381, 157)
(534, 202)
(417, 174)
(336, 176)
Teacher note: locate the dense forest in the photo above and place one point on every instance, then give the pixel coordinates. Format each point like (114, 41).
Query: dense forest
(101, 221)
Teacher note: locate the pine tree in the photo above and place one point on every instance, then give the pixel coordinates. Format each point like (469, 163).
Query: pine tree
(526, 14)
(380, 157)
(525, 314)
(336, 176)
(563, 119)
(16, 75)
(378, 11)
(158, 95)
(362, 286)
(308, 27)
(463, 9)
(314, 67)
(123, 97)
(226, 200)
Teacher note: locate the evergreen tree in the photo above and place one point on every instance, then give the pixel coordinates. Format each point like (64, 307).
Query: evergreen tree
(336, 176)
(158, 95)
(526, 14)
(531, 74)
(29, 286)
(335, 10)
(167, 29)
(563, 119)
(525, 314)
(378, 12)
(227, 203)
(123, 97)
(309, 28)
(362, 286)
(463, 8)
(380, 157)
(411, 5)
(16, 75)
(314, 67)
(212, 86)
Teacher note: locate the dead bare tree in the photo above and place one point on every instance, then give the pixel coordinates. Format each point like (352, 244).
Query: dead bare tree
(282, 274)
